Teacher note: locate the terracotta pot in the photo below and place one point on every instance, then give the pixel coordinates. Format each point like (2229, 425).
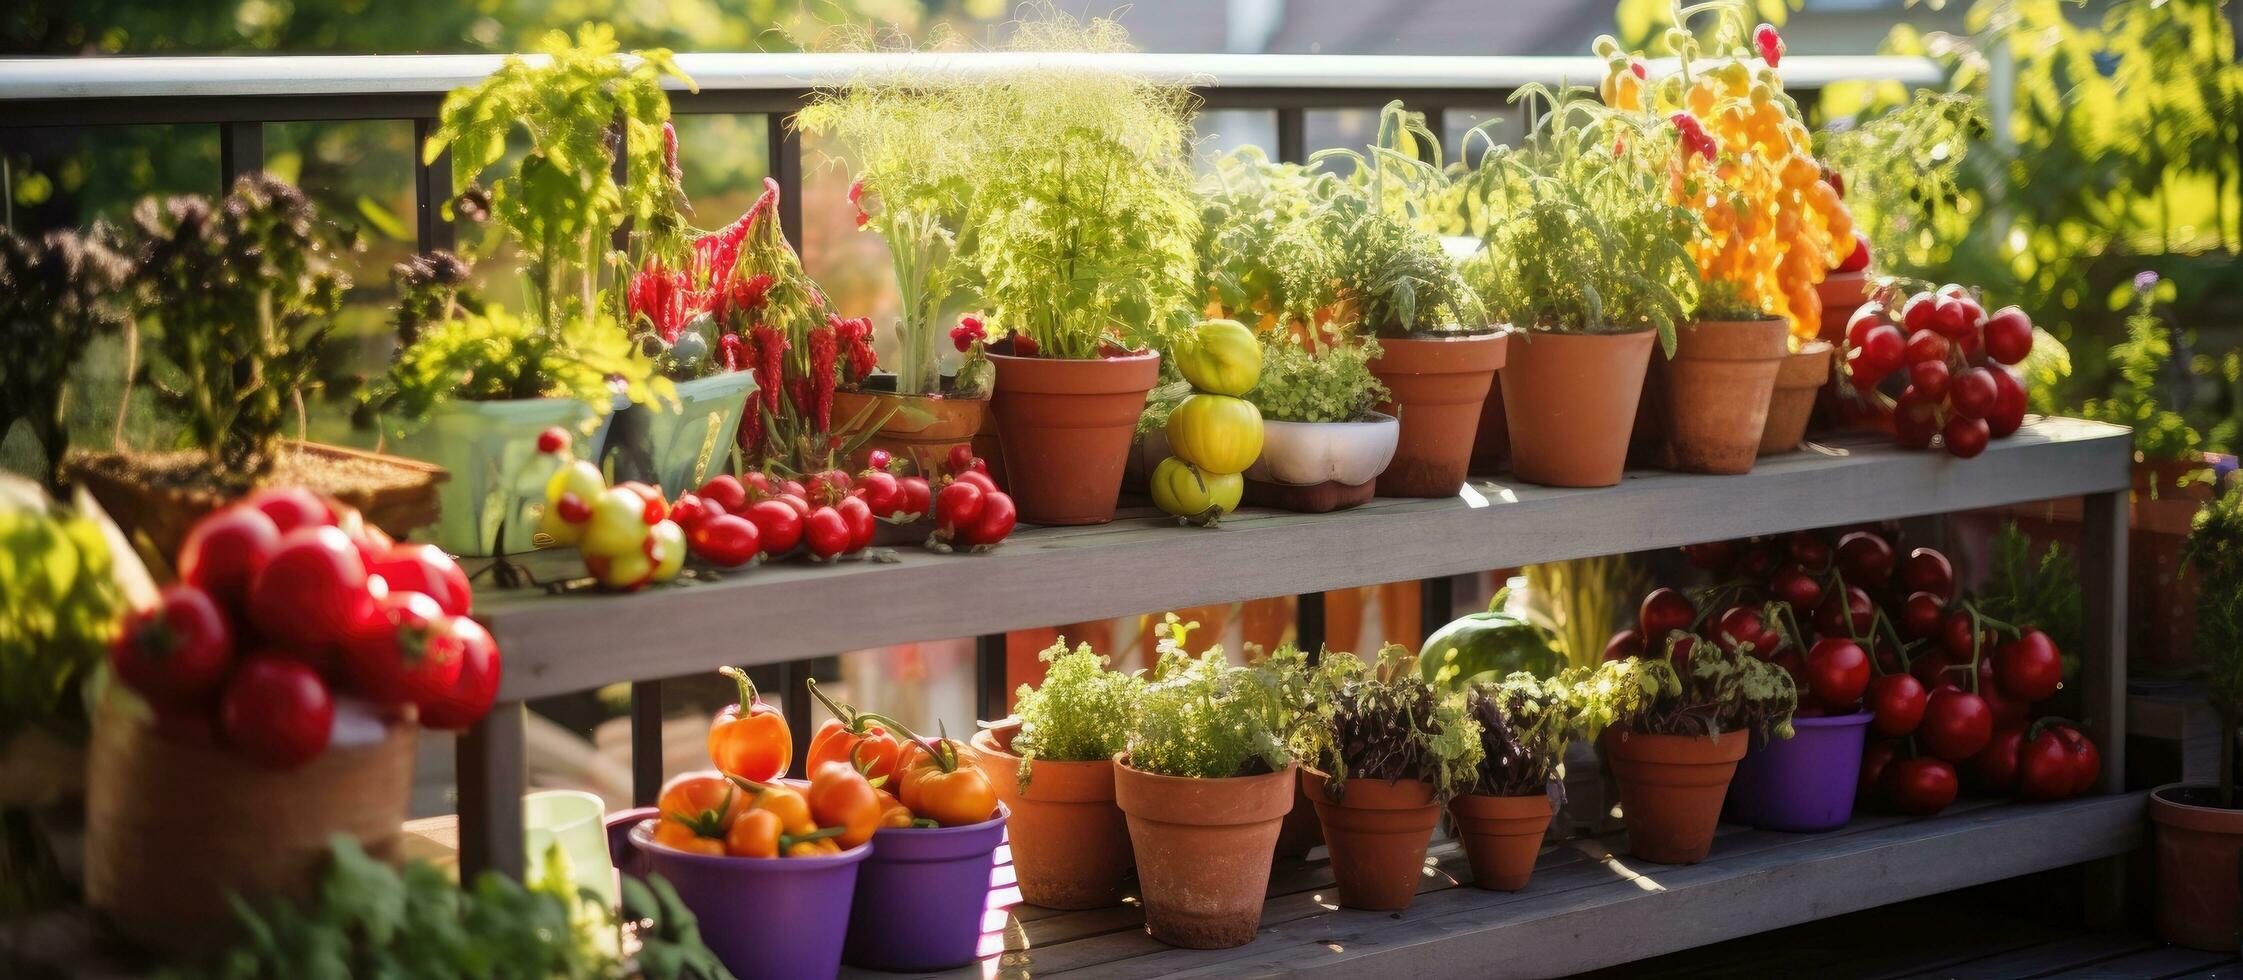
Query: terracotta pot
(989, 447)
(2198, 844)
(920, 428)
(1301, 833)
(1203, 849)
(1715, 393)
(1376, 832)
(1491, 443)
(1842, 293)
(1802, 375)
(1502, 837)
(1569, 400)
(172, 828)
(1070, 846)
(1671, 787)
(1436, 387)
(393, 493)
(1066, 426)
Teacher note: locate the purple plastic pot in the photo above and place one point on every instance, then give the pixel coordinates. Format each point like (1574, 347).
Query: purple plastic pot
(921, 894)
(1804, 783)
(764, 917)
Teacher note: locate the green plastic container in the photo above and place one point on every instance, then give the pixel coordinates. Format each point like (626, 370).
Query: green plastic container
(498, 476)
(676, 450)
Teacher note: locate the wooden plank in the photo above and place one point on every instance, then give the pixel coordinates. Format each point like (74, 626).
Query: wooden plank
(2040, 958)
(2163, 960)
(1752, 885)
(1058, 575)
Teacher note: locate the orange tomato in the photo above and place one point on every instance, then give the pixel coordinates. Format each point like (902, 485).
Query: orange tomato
(938, 788)
(841, 797)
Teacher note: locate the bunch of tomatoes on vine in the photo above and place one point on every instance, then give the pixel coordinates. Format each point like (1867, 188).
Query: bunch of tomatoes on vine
(1951, 691)
(1943, 367)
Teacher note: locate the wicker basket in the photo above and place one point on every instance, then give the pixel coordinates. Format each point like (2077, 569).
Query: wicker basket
(172, 828)
(405, 502)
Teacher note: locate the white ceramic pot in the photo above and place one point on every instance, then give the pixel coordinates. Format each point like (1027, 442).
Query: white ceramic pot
(1309, 453)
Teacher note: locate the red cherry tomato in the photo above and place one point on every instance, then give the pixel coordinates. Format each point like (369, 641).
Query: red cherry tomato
(410, 655)
(725, 540)
(1865, 558)
(1743, 625)
(1624, 644)
(1809, 550)
(176, 652)
(979, 479)
(471, 695)
(1662, 612)
(2007, 709)
(1925, 570)
(1796, 587)
(2029, 668)
(1935, 670)
(689, 510)
(1876, 757)
(960, 459)
(881, 492)
(995, 522)
(313, 596)
(225, 550)
(1837, 673)
(292, 508)
(825, 532)
(1858, 259)
(1849, 614)
(2008, 414)
(916, 496)
(958, 505)
(1972, 393)
(1915, 419)
(1712, 556)
(1956, 724)
(727, 492)
(276, 712)
(777, 524)
(1921, 615)
(1996, 764)
(1921, 312)
(856, 515)
(1956, 316)
(426, 569)
(1899, 701)
(1920, 786)
(2009, 335)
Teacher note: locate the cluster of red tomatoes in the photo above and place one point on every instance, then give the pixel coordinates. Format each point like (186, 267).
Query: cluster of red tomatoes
(286, 599)
(731, 520)
(1950, 690)
(1953, 360)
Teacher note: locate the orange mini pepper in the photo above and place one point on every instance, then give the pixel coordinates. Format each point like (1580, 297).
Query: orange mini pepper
(750, 739)
(861, 739)
(759, 834)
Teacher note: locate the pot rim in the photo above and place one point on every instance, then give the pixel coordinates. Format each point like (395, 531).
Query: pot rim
(1849, 720)
(1489, 332)
(1381, 419)
(996, 819)
(2159, 801)
(1124, 356)
(1309, 773)
(642, 837)
(1121, 761)
(1529, 333)
(991, 748)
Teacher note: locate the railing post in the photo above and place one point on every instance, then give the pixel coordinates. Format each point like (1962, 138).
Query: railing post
(646, 742)
(432, 189)
(1436, 605)
(489, 761)
(241, 150)
(1308, 624)
(989, 676)
(786, 167)
(1292, 137)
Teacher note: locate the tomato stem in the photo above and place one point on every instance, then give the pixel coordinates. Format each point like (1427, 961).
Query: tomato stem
(747, 687)
(948, 762)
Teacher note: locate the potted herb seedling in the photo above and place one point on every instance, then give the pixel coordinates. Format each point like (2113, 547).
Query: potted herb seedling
(58, 294)
(505, 378)
(1324, 441)
(1524, 723)
(1437, 353)
(903, 135)
(1674, 726)
(1743, 155)
(1082, 283)
(1205, 782)
(1053, 764)
(1384, 749)
(240, 295)
(2200, 828)
(1588, 259)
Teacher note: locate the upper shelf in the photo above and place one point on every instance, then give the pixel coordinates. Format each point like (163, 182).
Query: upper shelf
(1142, 563)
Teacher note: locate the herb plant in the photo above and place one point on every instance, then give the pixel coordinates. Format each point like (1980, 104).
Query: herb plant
(2140, 396)
(1267, 247)
(59, 608)
(907, 136)
(1080, 713)
(1581, 236)
(243, 294)
(1716, 693)
(57, 294)
(1384, 721)
(2215, 551)
(1524, 723)
(1095, 245)
(1206, 718)
(1392, 265)
(1333, 383)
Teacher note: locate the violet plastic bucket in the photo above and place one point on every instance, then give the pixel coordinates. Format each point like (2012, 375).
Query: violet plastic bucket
(764, 917)
(1805, 783)
(921, 894)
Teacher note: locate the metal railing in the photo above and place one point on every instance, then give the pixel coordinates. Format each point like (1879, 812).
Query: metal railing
(241, 95)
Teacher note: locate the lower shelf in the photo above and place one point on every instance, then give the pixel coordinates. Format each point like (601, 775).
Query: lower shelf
(1590, 905)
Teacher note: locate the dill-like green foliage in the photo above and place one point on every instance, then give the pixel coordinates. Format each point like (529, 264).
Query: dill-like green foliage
(1080, 713)
(1206, 718)
(1267, 238)
(1333, 383)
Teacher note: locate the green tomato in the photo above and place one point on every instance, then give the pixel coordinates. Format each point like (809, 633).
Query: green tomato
(669, 549)
(1217, 433)
(1220, 357)
(618, 524)
(1187, 492)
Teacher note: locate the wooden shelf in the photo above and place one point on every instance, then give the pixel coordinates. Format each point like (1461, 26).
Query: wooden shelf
(1143, 562)
(1590, 905)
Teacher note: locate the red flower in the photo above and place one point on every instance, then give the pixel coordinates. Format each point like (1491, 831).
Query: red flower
(1024, 345)
(968, 332)
(1769, 42)
(863, 219)
(670, 150)
(855, 335)
(659, 294)
(1636, 65)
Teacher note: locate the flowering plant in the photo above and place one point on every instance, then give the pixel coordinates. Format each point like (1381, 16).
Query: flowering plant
(1770, 225)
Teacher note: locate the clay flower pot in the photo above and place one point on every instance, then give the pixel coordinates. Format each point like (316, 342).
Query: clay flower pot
(1842, 293)
(920, 428)
(2197, 846)
(1491, 445)
(1715, 392)
(1671, 788)
(1569, 400)
(1070, 845)
(1203, 850)
(1801, 376)
(1066, 427)
(1436, 387)
(1502, 836)
(1377, 832)
(1316, 467)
